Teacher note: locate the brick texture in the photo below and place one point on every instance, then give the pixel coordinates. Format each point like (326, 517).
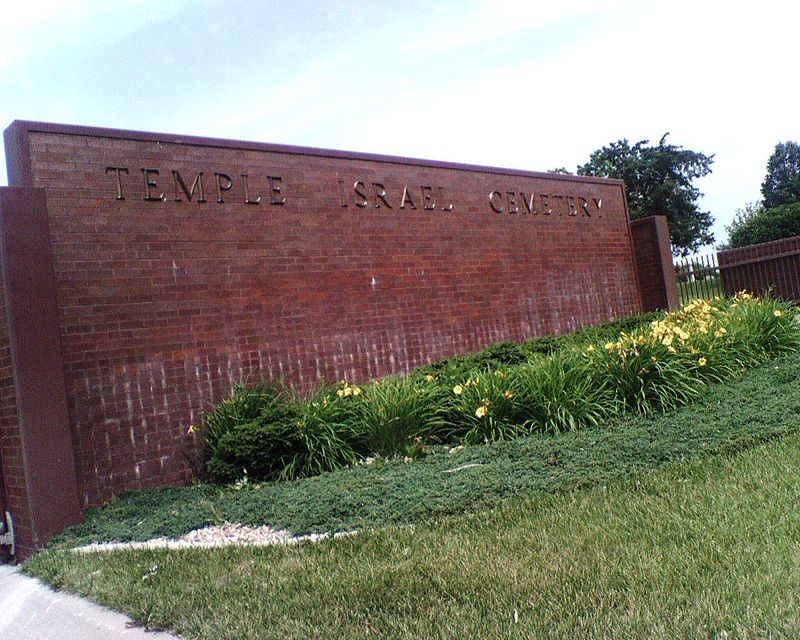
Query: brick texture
(653, 254)
(164, 304)
(13, 495)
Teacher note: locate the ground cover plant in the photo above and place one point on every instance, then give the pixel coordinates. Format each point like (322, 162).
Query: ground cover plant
(506, 391)
(701, 549)
(762, 404)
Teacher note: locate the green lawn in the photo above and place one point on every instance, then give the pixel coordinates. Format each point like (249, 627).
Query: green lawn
(688, 552)
(563, 537)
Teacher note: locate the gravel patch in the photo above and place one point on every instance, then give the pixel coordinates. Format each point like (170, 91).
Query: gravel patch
(216, 536)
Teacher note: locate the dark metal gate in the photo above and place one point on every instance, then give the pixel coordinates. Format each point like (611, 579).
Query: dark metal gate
(698, 277)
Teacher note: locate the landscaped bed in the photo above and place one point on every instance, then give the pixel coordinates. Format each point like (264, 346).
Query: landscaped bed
(761, 405)
(704, 548)
(649, 522)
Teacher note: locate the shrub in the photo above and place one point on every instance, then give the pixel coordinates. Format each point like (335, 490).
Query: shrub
(266, 433)
(243, 404)
(766, 225)
(259, 448)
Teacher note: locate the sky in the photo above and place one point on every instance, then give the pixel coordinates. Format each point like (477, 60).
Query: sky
(508, 83)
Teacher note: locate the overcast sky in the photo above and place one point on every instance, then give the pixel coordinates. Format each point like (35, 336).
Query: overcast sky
(518, 84)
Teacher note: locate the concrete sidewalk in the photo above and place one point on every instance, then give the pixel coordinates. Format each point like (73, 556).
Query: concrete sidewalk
(30, 610)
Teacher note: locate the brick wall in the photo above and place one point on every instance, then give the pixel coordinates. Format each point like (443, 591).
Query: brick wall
(164, 304)
(767, 266)
(653, 254)
(12, 483)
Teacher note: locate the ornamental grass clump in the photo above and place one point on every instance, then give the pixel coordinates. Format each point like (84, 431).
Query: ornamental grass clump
(483, 408)
(672, 361)
(397, 414)
(559, 393)
(325, 435)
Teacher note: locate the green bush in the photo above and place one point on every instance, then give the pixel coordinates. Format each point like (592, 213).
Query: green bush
(243, 404)
(265, 433)
(766, 225)
(259, 448)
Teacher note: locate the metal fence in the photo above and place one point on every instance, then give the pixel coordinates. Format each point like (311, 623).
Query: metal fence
(698, 277)
(772, 267)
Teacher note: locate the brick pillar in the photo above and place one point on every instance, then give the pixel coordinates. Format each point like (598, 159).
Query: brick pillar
(35, 440)
(653, 255)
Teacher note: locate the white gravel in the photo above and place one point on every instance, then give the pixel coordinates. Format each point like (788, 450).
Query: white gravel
(216, 536)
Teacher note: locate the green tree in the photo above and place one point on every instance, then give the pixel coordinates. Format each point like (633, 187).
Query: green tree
(782, 182)
(764, 225)
(660, 181)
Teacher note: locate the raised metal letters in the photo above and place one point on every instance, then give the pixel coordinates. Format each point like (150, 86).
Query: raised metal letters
(117, 171)
(149, 183)
(366, 194)
(219, 177)
(543, 204)
(189, 193)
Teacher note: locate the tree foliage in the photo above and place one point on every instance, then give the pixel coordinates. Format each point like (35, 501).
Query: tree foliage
(660, 181)
(782, 182)
(764, 225)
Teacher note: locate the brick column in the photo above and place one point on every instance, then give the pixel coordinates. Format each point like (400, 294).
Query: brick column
(36, 444)
(653, 255)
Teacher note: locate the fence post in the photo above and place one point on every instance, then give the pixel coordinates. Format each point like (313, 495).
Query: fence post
(653, 255)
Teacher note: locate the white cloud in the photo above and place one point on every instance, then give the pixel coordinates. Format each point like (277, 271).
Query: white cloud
(42, 28)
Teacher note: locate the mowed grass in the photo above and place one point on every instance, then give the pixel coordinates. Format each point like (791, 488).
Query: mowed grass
(703, 549)
(550, 537)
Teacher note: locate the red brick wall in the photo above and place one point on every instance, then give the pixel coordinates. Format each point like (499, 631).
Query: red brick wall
(12, 483)
(654, 266)
(767, 266)
(164, 304)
